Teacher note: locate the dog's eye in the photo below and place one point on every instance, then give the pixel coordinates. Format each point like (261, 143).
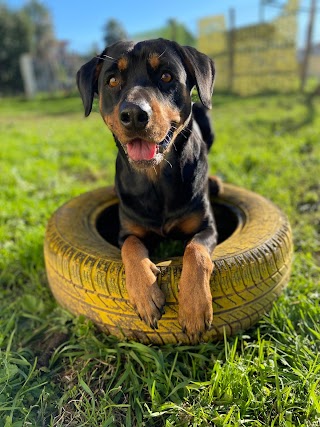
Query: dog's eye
(113, 81)
(166, 77)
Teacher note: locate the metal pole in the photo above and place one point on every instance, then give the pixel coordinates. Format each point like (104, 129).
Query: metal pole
(308, 48)
(231, 42)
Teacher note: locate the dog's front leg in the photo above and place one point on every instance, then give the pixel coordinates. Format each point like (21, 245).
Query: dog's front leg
(141, 280)
(195, 300)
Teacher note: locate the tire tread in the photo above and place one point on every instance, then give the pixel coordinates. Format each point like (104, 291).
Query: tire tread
(244, 284)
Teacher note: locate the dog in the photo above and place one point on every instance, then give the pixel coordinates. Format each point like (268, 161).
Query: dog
(144, 92)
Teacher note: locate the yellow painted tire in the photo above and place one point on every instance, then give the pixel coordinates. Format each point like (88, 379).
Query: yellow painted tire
(86, 274)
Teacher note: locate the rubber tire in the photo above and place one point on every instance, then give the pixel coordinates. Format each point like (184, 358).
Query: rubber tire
(86, 274)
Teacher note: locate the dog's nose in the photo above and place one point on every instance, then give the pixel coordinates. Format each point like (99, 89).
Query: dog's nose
(135, 116)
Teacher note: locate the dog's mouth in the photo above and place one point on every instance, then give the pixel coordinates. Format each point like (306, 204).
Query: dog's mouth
(144, 153)
(139, 149)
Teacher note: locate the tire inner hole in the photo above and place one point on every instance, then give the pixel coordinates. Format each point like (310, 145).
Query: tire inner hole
(227, 221)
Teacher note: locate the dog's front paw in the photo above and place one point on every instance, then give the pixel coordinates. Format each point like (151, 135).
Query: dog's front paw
(144, 293)
(195, 317)
(195, 301)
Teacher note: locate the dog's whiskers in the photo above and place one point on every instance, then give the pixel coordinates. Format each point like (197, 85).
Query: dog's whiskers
(105, 57)
(167, 162)
(184, 132)
(162, 53)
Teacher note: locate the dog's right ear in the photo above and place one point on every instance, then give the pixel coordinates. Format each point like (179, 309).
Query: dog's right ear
(87, 81)
(201, 70)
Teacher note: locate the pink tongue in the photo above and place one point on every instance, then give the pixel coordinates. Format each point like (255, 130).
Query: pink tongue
(138, 149)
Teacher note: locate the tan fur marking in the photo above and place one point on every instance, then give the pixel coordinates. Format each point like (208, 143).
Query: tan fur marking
(113, 122)
(191, 224)
(141, 281)
(154, 60)
(134, 229)
(162, 117)
(163, 114)
(187, 225)
(195, 300)
(123, 63)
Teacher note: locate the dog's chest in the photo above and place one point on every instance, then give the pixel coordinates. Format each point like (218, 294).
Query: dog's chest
(168, 212)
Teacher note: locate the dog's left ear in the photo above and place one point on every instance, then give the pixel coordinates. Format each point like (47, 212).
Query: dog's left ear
(202, 71)
(87, 81)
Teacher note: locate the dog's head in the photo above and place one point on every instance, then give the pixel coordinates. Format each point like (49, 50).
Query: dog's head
(144, 93)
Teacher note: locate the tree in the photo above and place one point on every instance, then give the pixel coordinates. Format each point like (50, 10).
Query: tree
(15, 39)
(173, 30)
(178, 32)
(42, 35)
(113, 32)
(44, 46)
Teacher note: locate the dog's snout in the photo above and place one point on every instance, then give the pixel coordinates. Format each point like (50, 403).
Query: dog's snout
(135, 116)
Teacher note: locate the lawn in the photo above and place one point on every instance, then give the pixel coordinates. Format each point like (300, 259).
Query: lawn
(58, 370)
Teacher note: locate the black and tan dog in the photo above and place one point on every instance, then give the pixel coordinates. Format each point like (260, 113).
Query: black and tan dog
(161, 170)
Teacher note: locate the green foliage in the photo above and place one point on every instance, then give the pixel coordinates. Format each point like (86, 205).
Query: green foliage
(41, 27)
(15, 37)
(113, 32)
(58, 370)
(23, 31)
(173, 30)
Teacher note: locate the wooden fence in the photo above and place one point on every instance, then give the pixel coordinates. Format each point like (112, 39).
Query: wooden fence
(256, 58)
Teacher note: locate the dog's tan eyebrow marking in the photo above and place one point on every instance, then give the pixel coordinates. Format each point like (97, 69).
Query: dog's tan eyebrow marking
(154, 60)
(122, 63)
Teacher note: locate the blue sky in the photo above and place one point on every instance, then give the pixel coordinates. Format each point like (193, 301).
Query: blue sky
(81, 21)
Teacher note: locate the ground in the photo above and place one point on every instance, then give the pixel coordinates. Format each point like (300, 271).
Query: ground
(58, 370)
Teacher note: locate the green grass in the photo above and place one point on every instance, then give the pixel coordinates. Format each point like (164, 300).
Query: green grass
(58, 370)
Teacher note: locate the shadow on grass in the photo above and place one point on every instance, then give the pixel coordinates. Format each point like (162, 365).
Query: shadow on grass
(43, 105)
(307, 119)
(286, 102)
(285, 123)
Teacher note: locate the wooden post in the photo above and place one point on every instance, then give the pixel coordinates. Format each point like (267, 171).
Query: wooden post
(27, 73)
(308, 47)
